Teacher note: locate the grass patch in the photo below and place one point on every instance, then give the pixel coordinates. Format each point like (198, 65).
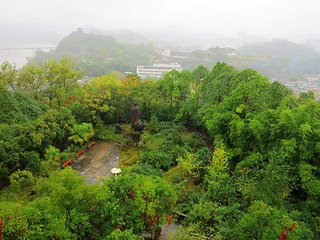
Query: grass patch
(175, 175)
(183, 185)
(8, 195)
(106, 133)
(130, 155)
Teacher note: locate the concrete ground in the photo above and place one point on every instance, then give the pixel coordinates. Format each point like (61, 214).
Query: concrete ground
(96, 163)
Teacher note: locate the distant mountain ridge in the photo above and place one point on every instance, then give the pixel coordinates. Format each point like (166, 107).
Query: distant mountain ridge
(122, 35)
(278, 48)
(100, 54)
(78, 44)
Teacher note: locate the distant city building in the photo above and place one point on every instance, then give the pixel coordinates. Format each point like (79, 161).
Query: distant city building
(157, 70)
(313, 78)
(180, 57)
(231, 54)
(164, 52)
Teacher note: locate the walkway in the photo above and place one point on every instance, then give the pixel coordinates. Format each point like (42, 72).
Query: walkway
(97, 162)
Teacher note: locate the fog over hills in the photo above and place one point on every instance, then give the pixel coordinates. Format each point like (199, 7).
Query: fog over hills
(17, 35)
(180, 39)
(14, 35)
(207, 23)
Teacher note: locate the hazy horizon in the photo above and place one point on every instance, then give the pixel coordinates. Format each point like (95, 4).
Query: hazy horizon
(50, 20)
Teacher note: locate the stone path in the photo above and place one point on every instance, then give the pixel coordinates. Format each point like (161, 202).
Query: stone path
(97, 162)
(169, 232)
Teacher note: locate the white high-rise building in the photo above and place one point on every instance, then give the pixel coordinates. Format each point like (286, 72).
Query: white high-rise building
(157, 70)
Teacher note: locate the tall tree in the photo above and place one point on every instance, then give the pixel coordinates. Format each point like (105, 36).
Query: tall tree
(8, 76)
(60, 77)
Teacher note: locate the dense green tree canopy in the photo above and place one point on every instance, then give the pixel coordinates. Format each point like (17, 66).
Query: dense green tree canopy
(235, 153)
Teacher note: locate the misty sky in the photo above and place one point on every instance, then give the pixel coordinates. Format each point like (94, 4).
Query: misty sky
(267, 18)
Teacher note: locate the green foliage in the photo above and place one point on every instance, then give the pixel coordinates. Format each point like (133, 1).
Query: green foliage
(263, 174)
(309, 182)
(65, 207)
(203, 216)
(175, 175)
(98, 54)
(129, 156)
(142, 201)
(157, 159)
(147, 169)
(219, 165)
(23, 143)
(264, 222)
(60, 77)
(193, 165)
(106, 133)
(81, 133)
(32, 80)
(22, 181)
(51, 161)
(189, 164)
(170, 142)
(153, 124)
(8, 76)
(175, 87)
(18, 108)
(123, 235)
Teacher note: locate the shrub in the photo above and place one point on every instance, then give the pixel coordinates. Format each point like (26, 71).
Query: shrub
(22, 180)
(148, 170)
(106, 133)
(157, 159)
(129, 156)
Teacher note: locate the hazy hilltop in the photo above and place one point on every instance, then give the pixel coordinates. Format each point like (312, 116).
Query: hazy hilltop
(100, 54)
(122, 35)
(278, 48)
(313, 43)
(123, 50)
(179, 39)
(80, 43)
(283, 59)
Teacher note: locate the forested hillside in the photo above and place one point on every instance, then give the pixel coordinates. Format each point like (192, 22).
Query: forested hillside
(232, 152)
(97, 54)
(283, 59)
(100, 54)
(278, 59)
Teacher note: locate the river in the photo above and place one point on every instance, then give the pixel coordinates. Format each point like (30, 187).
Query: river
(19, 55)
